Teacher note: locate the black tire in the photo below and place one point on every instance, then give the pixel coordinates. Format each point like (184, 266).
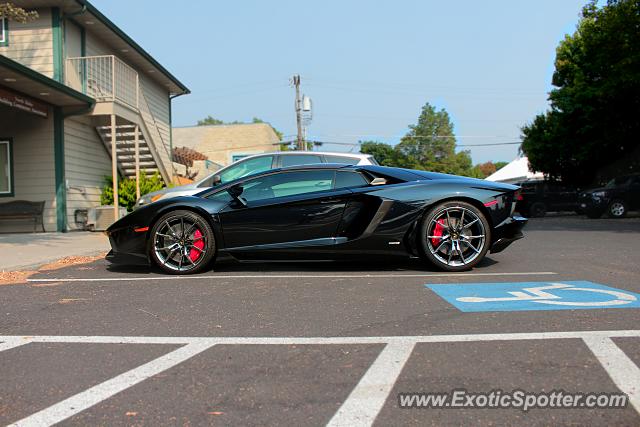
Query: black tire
(177, 253)
(617, 209)
(468, 257)
(538, 210)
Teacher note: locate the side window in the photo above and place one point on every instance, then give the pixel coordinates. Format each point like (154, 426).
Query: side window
(342, 159)
(287, 184)
(346, 179)
(6, 169)
(246, 167)
(299, 159)
(4, 32)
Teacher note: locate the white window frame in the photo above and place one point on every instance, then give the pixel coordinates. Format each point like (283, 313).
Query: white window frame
(3, 32)
(9, 167)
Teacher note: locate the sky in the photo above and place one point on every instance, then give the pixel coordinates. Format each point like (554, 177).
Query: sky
(369, 66)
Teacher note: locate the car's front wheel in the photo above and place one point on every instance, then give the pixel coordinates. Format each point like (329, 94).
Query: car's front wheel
(455, 236)
(182, 242)
(617, 209)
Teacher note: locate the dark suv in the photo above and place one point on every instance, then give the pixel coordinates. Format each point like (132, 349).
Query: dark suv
(539, 197)
(619, 196)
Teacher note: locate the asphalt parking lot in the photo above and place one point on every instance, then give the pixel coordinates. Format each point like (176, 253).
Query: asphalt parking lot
(330, 343)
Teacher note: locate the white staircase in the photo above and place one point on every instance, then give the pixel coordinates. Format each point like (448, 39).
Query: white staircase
(125, 150)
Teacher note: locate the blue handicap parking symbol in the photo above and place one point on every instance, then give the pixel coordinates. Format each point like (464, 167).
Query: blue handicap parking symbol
(524, 296)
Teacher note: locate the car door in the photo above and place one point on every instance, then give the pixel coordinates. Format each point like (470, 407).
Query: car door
(284, 209)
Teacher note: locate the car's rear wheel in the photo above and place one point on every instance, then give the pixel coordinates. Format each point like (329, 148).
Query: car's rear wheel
(455, 236)
(617, 209)
(182, 242)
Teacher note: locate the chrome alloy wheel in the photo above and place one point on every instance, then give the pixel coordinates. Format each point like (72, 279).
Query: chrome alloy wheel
(456, 236)
(180, 243)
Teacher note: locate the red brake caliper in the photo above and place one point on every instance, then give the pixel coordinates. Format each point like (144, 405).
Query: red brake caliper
(194, 254)
(437, 231)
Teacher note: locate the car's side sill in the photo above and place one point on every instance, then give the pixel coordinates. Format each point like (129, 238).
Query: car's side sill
(325, 241)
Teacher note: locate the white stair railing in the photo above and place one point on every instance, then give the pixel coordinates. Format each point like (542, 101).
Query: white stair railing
(108, 79)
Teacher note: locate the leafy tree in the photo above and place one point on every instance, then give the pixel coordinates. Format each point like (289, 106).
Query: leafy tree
(429, 145)
(595, 105)
(385, 154)
(17, 14)
(127, 189)
(207, 121)
(500, 165)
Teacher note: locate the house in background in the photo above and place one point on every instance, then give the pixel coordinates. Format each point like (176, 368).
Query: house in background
(225, 144)
(73, 89)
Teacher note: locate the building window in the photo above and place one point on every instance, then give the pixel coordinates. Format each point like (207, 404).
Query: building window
(4, 32)
(236, 157)
(6, 168)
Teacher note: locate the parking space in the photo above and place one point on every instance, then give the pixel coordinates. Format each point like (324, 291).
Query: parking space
(327, 343)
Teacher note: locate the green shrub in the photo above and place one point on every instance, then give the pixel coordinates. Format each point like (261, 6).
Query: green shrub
(127, 189)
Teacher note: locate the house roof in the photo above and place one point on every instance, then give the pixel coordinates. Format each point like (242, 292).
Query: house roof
(517, 170)
(211, 139)
(20, 78)
(83, 12)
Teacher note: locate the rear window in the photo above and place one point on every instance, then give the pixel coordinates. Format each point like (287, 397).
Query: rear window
(342, 159)
(299, 159)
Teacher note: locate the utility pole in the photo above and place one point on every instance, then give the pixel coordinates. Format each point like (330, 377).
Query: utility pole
(300, 140)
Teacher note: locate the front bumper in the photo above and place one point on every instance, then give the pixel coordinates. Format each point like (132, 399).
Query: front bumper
(127, 247)
(508, 232)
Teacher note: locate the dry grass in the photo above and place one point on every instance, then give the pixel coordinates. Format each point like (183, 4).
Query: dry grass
(20, 277)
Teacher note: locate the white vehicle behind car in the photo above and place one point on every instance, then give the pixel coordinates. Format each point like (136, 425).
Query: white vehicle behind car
(254, 164)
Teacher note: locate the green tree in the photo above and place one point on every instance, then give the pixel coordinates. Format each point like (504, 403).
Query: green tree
(431, 145)
(207, 121)
(500, 165)
(127, 189)
(383, 153)
(17, 14)
(595, 105)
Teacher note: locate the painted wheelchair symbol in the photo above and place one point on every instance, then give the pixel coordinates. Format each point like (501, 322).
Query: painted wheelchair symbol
(540, 296)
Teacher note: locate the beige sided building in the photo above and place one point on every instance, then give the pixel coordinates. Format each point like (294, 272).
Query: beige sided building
(225, 144)
(73, 86)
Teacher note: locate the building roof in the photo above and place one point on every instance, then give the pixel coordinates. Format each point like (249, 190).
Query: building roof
(209, 140)
(517, 170)
(20, 78)
(83, 12)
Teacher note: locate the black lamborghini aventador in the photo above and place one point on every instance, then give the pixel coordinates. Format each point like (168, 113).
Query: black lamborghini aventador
(324, 212)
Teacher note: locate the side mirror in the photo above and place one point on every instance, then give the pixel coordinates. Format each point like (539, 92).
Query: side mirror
(216, 180)
(378, 181)
(236, 193)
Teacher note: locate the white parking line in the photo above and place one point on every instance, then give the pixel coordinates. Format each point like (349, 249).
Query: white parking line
(86, 399)
(287, 276)
(624, 373)
(366, 399)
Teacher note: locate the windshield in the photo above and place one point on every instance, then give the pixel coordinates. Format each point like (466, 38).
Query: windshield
(240, 169)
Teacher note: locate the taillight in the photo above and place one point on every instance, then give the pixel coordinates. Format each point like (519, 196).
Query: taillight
(519, 195)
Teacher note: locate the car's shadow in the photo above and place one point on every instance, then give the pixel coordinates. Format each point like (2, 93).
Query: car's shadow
(232, 266)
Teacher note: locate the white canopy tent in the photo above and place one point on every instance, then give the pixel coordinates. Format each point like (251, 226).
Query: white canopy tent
(516, 171)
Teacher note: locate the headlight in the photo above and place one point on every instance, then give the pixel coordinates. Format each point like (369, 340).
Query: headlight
(145, 200)
(598, 194)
